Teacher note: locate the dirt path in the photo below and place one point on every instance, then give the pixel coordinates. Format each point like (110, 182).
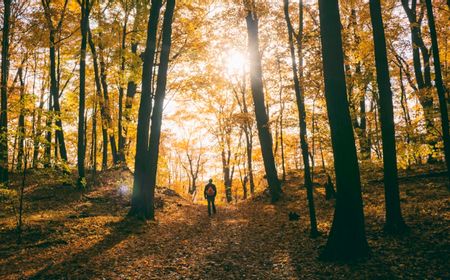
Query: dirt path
(251, 240)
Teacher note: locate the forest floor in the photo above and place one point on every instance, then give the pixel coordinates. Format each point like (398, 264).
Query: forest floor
(73, 235)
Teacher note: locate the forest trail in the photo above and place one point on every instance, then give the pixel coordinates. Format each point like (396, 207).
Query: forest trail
(249, 240)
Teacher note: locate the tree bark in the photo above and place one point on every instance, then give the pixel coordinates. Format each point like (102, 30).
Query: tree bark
(81, 152)
(423, 78)
(394, 219)
(38, 125)
(106, 105)
(439, 86)
(54, 92)
(156, 120)
(4, 94)
(131, 85)
(142, 197)
(301, 117)
(21, 121)
(121, 137)
(100, 99)
(262, 120)
(226, 157)
(347, 239)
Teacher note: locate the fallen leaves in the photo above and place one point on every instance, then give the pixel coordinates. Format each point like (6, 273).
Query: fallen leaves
(90, 237)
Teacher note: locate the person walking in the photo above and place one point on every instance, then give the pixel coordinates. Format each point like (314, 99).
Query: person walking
(210, 195)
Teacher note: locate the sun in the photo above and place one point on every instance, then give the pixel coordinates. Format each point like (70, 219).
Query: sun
(234, 62)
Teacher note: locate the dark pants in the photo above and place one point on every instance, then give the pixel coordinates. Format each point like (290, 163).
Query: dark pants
(211, 205)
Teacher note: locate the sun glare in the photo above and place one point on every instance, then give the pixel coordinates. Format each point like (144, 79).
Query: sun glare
(234, 62)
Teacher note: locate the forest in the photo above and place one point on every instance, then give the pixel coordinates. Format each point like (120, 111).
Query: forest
(224, 139)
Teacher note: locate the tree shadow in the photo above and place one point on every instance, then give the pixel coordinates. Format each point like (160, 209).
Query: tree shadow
(119, 231)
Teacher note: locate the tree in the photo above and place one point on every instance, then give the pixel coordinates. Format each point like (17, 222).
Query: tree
(262, 120)
(135, 63)
(85, 6)
(54, 91)
(143, 191)
(394, 219)
(4, 94)
(160, 92)
(100, 99)
(439, 85)
(347, 239)
(246, 122)
(21, 121)
(301, 114)
(423, 78)
(121, 137)
(107, 116)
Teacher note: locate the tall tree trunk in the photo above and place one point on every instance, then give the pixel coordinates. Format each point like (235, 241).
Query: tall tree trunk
(283, 163)
(21, 121)
(262, 120)
(84, 24)
(121, 137)
(48, 133)
(281, 118)
(106, 104)
(249, 152)
(406, 117)
(100, 99)
(394, 219)
(247, 127)
(141, 200)
(37, 135)
(423, 78)
(160, 92)
(439, 86)
(301, 117)
(4, 94)
(364, 142)
(131, 85)
(93, 134)
(226, 156)
(54, 91)
(347, 238)
(59, 132)
(94, 144)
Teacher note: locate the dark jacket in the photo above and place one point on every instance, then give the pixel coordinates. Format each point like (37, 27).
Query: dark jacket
(206, 189)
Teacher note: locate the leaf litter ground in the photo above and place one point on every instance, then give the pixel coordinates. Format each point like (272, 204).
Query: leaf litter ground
(71, 235)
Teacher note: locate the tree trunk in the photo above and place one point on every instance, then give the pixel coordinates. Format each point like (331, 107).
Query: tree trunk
(106, 105)
(142, 197)
(131, 86)
(262, 120)
(54, 92)
(156, 121)
(364, 142)
(244, 187)
(347, 239)
(37, 135)
(101, 101)
(226, 174)
(249, 152)
(48, 134)
(394, 219)
(301, 117)
(81, 152)
(121, 138)
(94, 144)
(423, 79)
(247, 127)
(21, 121)
(439, 86)
(4, 94)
